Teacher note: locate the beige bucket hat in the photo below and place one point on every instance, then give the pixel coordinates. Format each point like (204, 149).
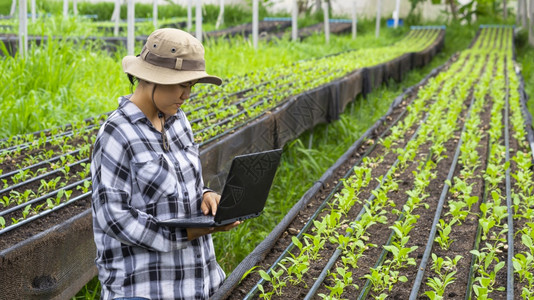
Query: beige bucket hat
(170, 56)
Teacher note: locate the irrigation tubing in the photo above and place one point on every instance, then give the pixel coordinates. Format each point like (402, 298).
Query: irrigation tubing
(44, 213)
(366, 205)
(41, 198)
(437, 215)
(510, 266)
(44, 162)
(267, 243)
(42, 176)
(48, 139)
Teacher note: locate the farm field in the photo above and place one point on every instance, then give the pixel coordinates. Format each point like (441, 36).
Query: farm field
(431, 206)
(411, 155)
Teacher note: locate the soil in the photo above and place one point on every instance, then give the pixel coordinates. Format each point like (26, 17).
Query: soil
(463, 234)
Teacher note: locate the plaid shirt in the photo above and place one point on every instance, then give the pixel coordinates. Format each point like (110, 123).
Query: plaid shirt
(136, 183)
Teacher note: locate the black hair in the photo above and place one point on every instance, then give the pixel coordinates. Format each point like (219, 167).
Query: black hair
(133, 81)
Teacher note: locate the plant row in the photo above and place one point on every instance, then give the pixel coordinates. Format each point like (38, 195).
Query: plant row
(459, 153)
(42, 171)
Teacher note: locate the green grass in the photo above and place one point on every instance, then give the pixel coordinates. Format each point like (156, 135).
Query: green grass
(525, 58)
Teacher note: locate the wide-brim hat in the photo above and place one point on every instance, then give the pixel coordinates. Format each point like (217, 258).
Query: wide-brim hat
(170, 56)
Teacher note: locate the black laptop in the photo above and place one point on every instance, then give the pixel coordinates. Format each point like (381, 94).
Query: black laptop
(244, 194)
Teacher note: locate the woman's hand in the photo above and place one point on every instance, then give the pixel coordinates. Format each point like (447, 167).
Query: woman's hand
(210, 201)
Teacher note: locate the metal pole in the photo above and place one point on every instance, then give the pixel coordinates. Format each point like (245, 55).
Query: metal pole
(23, 28)
(65, 8)
(504, 9)
(396, 14)
(326, 22)
(518, 13)
(189, 15)
(131, 27)
(155, 14)
(531, 23)
(524, 14)
(255, 26)
(378, 6)
(294, 19)
(13, 8)
(33, 11)
(116, 16)
(198, 12)
(75, 7)
(220, 17)
(354, 20)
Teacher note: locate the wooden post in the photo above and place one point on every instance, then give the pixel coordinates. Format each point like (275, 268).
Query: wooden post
(198, 19)
(130, 42)
(378, 15)
(255, 23)
(504, 10)
(518, 13)
(524, 14)
(294, 19)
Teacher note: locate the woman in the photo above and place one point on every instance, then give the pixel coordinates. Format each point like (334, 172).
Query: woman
(145, 168)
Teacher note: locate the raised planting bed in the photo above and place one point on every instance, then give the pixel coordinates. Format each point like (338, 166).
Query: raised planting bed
(304, 32)
(434, 202)
(45, 176)
(113, 43)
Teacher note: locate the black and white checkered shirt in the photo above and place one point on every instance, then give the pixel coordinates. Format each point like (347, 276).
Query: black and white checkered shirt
(135, 183)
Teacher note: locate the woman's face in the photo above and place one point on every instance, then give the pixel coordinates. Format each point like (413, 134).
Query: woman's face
(169, 98)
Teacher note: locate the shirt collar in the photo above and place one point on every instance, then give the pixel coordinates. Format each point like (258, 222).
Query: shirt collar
(134, 114)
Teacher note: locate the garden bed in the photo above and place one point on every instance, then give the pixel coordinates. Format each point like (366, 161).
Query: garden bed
(431, 211)
(63, 153)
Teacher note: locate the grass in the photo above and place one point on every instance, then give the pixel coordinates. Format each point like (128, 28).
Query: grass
(47, 94)
(525, 58)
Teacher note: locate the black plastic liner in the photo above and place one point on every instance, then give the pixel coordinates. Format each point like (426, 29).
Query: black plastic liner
(263, 248)
(302, 112)
(57, 263)
(54, 264)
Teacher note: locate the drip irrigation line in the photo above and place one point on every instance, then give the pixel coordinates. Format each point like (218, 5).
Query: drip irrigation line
(366, 205)
(42, 176)
(510, 266)
(309, 223)
(51, 160)
(383, 254)
(437, 215)
(48, 139)
(43, 213)
(41, 198)
(479, 231)
(395, 103)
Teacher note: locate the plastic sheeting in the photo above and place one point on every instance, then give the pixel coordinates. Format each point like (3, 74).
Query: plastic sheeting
(54, 264)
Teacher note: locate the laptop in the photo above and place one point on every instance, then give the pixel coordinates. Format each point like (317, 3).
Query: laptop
(244, 194)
